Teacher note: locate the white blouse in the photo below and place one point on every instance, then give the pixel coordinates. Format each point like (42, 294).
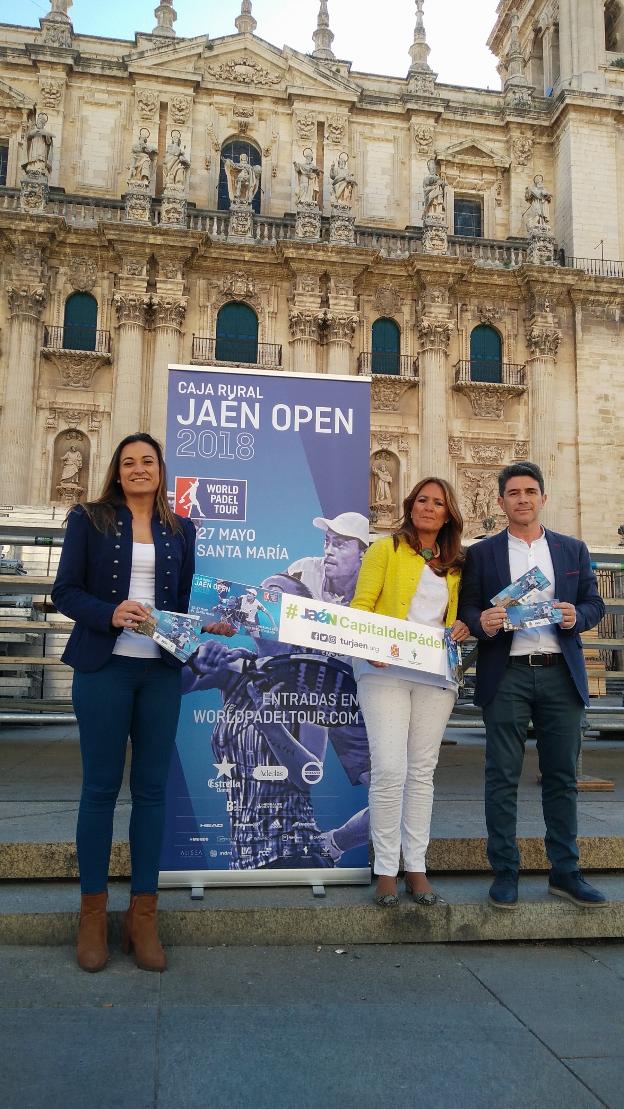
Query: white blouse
(430, 601)
(143, 589)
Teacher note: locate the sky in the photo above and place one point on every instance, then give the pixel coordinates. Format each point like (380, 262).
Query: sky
(375, 35)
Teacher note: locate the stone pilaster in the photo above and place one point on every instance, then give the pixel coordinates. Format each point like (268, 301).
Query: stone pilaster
(543, 340)
(168, 319)
(305, 335)
(131, 311)
(434, 333)
(341, 320)
(25, 305)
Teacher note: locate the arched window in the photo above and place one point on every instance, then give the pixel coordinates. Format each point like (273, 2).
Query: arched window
(486, 355)
(233, 150)
(386, 347)
(80, 322)
(237, 333)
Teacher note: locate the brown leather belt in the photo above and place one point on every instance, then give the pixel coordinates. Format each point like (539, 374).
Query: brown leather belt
(537, 660)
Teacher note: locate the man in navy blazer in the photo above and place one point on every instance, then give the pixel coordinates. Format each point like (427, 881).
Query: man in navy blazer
(535, 674)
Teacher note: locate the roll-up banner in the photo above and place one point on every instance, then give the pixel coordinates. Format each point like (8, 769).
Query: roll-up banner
(269, 777)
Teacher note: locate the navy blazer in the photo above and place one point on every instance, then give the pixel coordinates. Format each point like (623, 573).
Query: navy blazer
(94, 577)
(487, 571)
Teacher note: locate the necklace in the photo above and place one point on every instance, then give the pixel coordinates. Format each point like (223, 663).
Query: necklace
(430, 552)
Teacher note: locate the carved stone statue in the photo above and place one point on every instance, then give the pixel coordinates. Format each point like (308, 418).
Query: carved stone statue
(143, 158)
(434, 189)
(39, 143)
(383, 482)
(71, 466)
(539, 205)
(308, 179)
(176, 164)
(243, 179)
(342, 181)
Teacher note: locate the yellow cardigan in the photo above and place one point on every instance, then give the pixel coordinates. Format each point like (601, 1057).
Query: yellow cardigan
(388, 580)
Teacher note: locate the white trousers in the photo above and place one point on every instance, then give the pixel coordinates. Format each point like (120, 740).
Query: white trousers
(405, 722)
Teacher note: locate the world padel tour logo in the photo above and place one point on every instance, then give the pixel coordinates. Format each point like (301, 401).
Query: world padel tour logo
(211, 498)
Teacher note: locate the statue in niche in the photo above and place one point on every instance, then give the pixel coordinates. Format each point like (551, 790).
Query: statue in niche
(308, 179)
(383, 481)
(342, 181)
(434, 189)
(176, 163)
(539, 205)
(143, 158)
(243, 179)
(39, 143)
(71, 465)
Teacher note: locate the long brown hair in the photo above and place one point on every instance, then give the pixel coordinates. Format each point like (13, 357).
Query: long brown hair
(449, 536)
(102, 511)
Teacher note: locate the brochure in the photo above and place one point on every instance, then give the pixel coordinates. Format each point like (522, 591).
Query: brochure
(523, 589)
(248, 609)
(453, 658)
(178, 632)
(531, 616)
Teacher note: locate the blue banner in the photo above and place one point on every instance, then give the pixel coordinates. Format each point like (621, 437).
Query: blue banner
(269, 777)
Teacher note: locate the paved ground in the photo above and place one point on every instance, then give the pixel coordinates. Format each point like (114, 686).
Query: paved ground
(265, 1028)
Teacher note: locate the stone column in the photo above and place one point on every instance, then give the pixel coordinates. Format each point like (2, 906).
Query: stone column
(169, 313)
(132, 311)
(340, 332)
(305, 331)
(543, 340)
(435, 335)
(25, 306)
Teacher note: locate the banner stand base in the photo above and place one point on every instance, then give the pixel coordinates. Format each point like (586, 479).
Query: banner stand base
(318, 890)
(197, 893)
(198, 881)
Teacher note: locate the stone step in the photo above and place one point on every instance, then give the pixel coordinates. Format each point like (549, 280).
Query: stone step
(20, 861)
(46, 914)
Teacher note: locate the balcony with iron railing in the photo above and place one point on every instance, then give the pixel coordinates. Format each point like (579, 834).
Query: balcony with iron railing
(74, 337)
(490, 371)
(248, 352)
(388, 364)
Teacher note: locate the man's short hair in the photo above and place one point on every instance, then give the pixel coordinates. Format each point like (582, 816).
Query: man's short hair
(520, 469)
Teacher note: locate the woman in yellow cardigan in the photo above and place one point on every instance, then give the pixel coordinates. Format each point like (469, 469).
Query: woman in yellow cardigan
(414, 574)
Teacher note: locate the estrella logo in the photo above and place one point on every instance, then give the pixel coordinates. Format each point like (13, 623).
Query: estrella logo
(322, 617)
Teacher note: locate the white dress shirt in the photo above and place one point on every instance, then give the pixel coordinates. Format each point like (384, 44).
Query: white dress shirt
(522, 557)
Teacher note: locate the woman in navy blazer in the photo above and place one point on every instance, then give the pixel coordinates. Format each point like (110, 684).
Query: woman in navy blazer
(123, 549)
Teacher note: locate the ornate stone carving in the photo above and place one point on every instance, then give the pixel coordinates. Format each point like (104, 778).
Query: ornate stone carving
(487, 452)
(522, 150)
(541, 249)
(434, 334)
(423, 137)
(131, 308)
(134, 268)
(95, 420)
(340, 327)
(488, 401)
(243, 112)
(341, 224)
(176, 164)
(138, 207)
(180, 108)
(306, 126)
(238, 286)
(307, 283)
(543, 342)
(342, 182)
(143, 161)
(56, 28)
(26, 301)
(241, 220)
(520, 451)
(170, 271)
(173, 211)
(335, 129)
(479, 501)
(73, 417)
(147, 101)
(77, 368)
(308, 222)
(82, 273)
(434, 192)
(39, 144)
(422, 84)
(169, 311)
(243, 179)
(305, 323)
(388, 300)
(456, 447)
(308, 179)
(243, 70)
(33, 195)
(382, 479)
(384, 488)
(386, 392)
(51, 92)
(489, 313)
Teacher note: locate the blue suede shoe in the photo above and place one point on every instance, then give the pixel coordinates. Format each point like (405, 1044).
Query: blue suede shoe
(574, 887)
(504, 890)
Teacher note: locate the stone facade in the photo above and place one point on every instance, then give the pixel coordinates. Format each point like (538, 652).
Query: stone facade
(91, 205)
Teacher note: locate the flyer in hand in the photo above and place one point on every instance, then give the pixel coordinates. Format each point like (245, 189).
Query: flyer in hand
(523, 590)
(177, 632)
(249, 609)
(524, 606)
(531, 616)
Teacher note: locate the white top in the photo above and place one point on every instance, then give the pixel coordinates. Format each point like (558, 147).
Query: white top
(142, 588)
(430, 601)
(428, 606)
(522, 557)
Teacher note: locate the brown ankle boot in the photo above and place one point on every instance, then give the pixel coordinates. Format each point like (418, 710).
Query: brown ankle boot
(91, 947)
(139, 932)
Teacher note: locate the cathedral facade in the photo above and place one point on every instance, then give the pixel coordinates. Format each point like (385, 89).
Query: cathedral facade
(222, 201)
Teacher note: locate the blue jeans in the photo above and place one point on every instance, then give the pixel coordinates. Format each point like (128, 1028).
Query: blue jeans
(140, 699)
(548, 697)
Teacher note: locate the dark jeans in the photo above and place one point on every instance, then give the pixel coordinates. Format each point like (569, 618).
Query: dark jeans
(548, 697)
(140, 699)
